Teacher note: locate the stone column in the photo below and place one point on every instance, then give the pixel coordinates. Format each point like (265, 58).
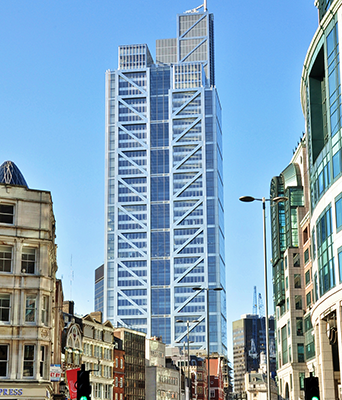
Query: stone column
(339, 334)
(326, 375)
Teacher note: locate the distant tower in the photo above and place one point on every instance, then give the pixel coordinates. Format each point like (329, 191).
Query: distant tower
(242, 335)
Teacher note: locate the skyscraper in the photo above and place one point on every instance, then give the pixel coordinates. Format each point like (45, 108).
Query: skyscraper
(164, 189)
(249, 342)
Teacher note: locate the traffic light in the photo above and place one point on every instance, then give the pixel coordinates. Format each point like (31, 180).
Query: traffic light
(311, 388)
(83, 384)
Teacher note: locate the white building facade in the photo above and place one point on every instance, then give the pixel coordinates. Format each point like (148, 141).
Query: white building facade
(27, 288)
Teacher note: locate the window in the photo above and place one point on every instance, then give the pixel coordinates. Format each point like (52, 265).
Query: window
(107, 391)
(300, 350)
(340, 262)
(299, 326)
(5, 259)
(6, 213)
(297, 281)
(116, 362)
(307, 277)
(284, 344)
(3, 359)
(301, 380)
(5, 301)
(338, 211)
(42, 362)
(306, 256)
(28, 369)
(296, 260)
(45, 310)
(98, 390)
(298, 302)
(121, 382)
(30, 310)
(308, 299)
(121, 363)
(28, 260)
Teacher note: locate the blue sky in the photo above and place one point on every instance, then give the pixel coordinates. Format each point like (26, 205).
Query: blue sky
(54, 55)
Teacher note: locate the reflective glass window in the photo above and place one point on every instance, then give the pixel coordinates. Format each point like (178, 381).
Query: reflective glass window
(160, 244)
(160, 188)
(338, 212)
(160, 216)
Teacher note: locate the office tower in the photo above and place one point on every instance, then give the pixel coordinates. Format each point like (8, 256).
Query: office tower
(249, 343)
(320, 235)
(291, 273)
(164, 189)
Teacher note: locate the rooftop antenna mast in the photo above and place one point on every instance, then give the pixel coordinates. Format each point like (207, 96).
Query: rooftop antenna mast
(195, 10)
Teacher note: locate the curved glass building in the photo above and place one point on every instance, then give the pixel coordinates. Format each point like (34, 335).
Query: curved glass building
(321, 103)
(164, 189)
(308, 267)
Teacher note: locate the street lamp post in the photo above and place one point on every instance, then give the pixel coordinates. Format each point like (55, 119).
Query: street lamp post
(199, 289)
(249, 199)
(188, 338)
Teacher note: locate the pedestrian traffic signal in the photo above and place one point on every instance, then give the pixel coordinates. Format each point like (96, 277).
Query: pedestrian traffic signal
(311, 388)
(83, 384)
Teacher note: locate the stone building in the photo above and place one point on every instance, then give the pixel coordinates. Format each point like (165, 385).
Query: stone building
(28, 323)
(98, 346)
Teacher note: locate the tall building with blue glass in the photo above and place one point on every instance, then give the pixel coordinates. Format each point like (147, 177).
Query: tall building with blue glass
(164, 189)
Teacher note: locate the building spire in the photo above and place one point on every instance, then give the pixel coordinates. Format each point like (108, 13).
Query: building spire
(195, 10)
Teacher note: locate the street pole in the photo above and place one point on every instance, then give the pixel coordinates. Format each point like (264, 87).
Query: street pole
(273, 201)
(208, 346)
(189, 384)
(268, 377)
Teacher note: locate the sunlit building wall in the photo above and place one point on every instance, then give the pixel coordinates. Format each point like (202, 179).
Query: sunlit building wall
(292, 274)
(321, 103)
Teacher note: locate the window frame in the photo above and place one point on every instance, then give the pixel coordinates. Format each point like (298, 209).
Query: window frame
(3, 214)
(5, 360)
(338, 205)
(5, 249)
(32, 296)
(301, 353)
(30, 361)
(2, 296)
(45, 310)
(43, 362)
(26, 263)
(297, 281)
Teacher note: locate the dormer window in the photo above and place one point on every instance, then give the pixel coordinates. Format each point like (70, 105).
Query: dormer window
(6, 213)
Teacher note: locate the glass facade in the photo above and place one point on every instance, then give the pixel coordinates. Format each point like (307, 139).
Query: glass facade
(164, 189)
